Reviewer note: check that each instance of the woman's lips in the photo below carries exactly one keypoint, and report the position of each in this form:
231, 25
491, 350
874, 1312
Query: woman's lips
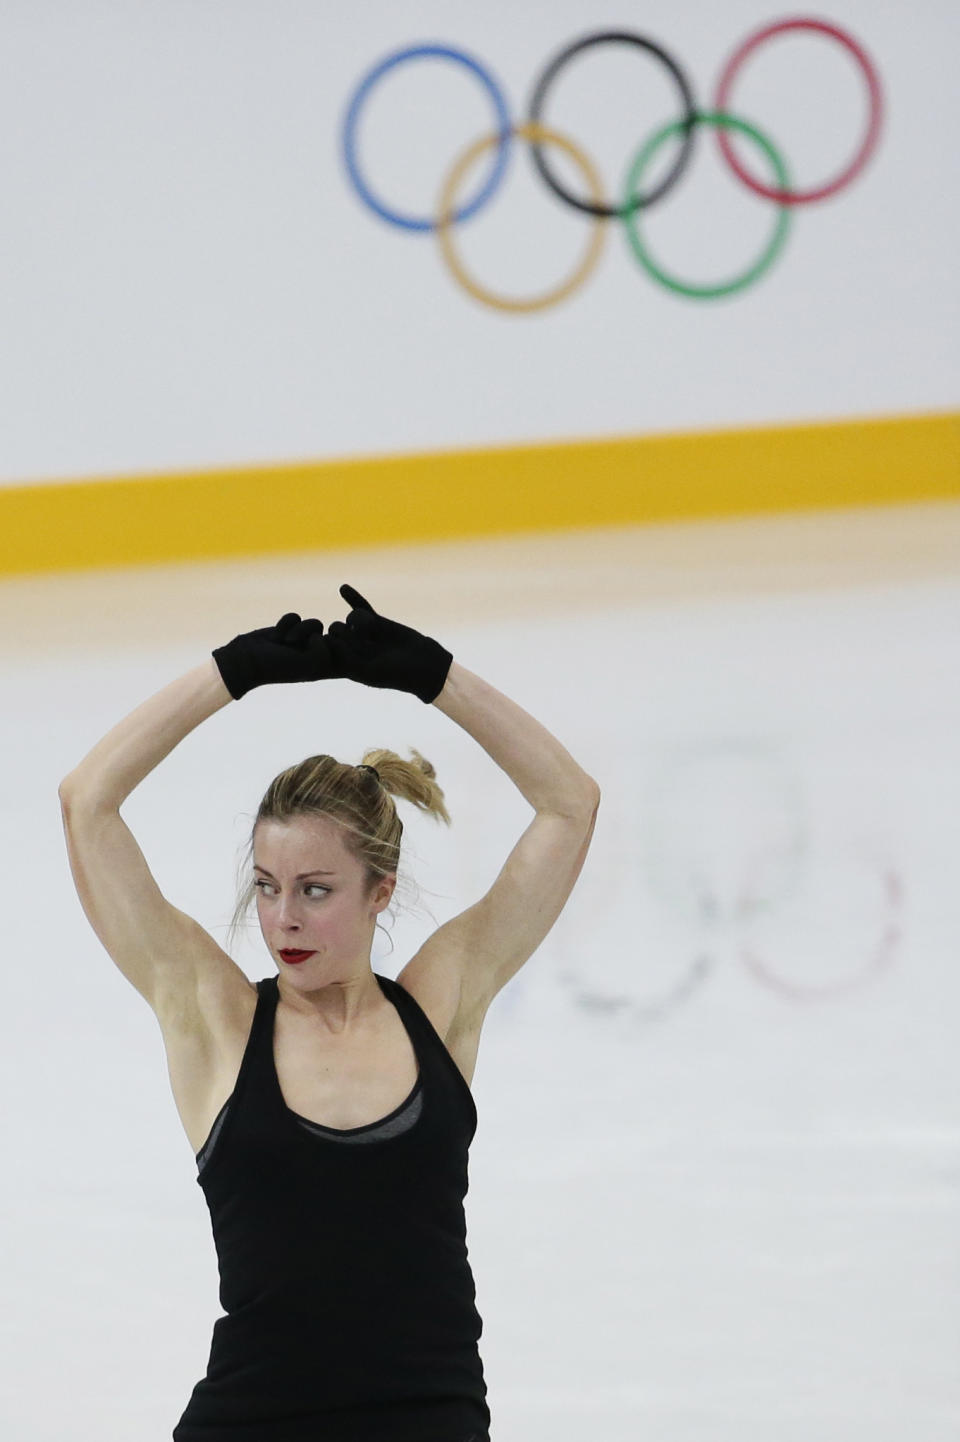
293, 957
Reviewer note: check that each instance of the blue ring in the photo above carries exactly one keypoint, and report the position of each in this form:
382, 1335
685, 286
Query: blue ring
416, 52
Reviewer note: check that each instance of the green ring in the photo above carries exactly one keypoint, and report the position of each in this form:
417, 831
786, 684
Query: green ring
630, 218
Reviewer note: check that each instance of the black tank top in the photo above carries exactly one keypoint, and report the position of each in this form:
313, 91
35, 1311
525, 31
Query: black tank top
344, 1276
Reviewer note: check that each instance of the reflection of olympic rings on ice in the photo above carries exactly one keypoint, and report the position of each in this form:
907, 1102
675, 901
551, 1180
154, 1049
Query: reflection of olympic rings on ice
725, 832
870, 951
635, 198
728, 854
604, 1004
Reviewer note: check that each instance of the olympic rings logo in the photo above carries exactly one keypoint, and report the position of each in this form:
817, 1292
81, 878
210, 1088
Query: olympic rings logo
593, 203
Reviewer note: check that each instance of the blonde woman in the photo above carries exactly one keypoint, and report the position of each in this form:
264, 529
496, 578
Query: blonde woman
330, 1107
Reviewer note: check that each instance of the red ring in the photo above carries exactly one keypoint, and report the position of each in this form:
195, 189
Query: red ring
801, 197
878, 960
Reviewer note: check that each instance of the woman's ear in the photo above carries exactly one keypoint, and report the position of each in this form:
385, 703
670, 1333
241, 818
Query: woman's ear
383, 892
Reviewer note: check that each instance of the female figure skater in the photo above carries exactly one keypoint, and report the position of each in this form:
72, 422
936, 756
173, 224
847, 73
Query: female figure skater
330, 1107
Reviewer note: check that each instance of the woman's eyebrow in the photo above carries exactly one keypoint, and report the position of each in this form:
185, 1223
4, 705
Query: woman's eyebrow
302, 877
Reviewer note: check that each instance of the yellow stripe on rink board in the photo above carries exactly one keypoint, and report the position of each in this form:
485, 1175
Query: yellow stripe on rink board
383, 500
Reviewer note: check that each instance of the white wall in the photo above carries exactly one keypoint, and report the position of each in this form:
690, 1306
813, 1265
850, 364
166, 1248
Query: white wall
189, 280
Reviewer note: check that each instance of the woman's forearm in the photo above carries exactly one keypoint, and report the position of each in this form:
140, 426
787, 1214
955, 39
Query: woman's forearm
138, 743
534, 760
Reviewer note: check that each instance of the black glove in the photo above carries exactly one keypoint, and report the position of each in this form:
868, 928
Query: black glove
369, 648
292, 650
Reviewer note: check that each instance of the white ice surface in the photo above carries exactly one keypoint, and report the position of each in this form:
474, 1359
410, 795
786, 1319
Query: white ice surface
715, 1186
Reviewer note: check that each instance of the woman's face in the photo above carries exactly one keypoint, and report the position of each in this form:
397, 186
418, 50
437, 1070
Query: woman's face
311, 896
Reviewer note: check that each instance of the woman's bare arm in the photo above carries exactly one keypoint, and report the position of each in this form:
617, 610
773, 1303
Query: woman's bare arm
542, 769
469, 959
138, 743
161, 950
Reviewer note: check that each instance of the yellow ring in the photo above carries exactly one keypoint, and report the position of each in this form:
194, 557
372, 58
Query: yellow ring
447, 208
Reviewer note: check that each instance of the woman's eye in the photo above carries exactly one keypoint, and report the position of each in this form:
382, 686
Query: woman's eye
313, 886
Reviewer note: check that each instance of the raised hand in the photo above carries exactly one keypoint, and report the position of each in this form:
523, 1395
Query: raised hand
292, 650
376, 651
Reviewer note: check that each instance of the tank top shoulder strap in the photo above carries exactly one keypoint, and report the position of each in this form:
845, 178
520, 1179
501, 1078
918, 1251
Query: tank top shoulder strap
426, 1034
257, 1063
256, 1080
411, 1011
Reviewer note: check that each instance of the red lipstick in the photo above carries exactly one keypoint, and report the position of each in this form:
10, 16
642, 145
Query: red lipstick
293, 958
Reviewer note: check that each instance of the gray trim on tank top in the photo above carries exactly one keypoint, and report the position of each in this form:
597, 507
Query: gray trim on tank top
399, 1121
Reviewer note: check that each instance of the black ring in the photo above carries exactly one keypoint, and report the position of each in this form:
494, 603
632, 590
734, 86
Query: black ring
690, 118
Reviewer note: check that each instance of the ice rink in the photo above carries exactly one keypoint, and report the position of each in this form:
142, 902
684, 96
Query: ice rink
715, 1189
